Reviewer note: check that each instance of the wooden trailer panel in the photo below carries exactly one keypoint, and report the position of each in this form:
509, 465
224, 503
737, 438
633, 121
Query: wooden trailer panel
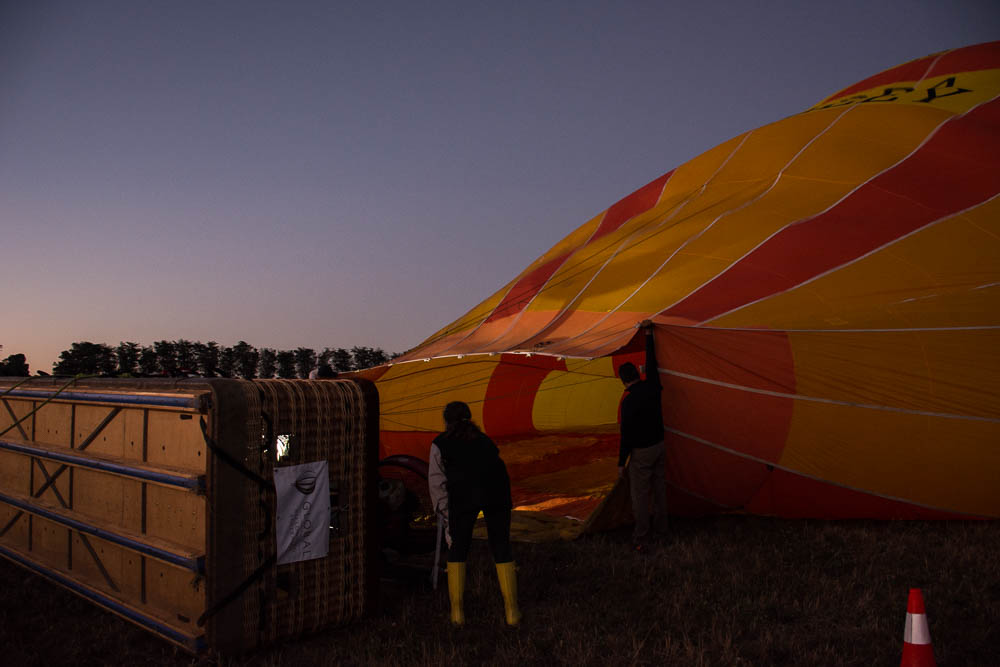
100, 429
175, 515
154, 499
176, 440
53, 424
109, 499
14, 472
11, 413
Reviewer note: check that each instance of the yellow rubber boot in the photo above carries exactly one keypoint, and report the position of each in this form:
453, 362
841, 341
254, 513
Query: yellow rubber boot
456, 591
507, 576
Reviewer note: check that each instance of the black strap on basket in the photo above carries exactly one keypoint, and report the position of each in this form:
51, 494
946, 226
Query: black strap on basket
232, 462
238, 591
264, 486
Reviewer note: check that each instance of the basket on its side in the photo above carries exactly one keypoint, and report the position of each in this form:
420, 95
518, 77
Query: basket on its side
155, 500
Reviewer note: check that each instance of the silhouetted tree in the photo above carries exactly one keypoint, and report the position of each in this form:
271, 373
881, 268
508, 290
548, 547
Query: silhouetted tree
305, 361
166, 357
86, 358
128, 358
208, 358
366, 357
16, 365
227, 362
268, 363
186, 357
147, 362
286, 364
359, 356
341, 360
107, 363
246, 358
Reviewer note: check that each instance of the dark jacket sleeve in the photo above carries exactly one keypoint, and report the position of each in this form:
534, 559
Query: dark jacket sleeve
624, 446
652, 368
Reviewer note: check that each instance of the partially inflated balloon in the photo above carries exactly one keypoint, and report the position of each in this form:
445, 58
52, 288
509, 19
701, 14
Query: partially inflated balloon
826, 294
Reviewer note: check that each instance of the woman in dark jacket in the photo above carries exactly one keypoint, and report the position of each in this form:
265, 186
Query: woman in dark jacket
466, 476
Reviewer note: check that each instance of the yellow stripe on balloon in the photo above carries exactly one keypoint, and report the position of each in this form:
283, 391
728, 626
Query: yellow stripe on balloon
931, 461
583, 398
412, 395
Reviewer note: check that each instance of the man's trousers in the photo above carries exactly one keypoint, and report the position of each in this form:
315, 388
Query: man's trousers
647, 475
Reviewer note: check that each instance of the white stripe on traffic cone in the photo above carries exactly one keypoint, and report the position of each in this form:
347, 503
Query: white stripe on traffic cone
917, 649
916, 631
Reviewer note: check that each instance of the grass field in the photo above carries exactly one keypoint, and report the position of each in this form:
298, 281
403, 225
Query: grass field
724, 591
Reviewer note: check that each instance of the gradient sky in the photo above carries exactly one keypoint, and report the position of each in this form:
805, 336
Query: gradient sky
338, 173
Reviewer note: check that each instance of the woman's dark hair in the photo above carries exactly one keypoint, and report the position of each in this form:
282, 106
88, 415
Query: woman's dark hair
458, 422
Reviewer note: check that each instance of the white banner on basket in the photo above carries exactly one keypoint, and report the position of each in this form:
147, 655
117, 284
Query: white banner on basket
303, 522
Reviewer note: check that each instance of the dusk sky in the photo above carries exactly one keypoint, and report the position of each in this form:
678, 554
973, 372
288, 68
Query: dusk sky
337, 173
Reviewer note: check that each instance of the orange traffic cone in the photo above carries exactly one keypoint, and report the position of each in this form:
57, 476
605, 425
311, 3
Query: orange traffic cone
917, 650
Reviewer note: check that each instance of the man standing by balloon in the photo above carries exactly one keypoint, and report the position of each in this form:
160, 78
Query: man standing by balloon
642, 443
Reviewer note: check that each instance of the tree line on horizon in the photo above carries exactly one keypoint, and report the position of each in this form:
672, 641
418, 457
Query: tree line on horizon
16, 365
184, 358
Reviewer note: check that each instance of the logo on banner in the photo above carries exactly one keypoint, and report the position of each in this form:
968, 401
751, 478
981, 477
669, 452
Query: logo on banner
306, 484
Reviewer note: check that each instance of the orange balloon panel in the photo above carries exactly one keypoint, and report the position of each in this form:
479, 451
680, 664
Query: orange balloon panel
826, 294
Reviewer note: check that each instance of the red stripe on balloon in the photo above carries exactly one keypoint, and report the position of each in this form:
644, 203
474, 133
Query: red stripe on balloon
412, 443
627, 208
714, 474
968, 59
525, 289
955, 170
793, 496
510, 394
682, 503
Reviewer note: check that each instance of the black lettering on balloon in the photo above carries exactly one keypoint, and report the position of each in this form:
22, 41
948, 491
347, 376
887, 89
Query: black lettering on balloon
933, 92
853, 99
887, 95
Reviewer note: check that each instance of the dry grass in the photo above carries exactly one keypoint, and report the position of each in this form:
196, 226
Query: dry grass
724, 591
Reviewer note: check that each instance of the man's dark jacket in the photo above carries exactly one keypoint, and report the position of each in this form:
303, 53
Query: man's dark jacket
642, 409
